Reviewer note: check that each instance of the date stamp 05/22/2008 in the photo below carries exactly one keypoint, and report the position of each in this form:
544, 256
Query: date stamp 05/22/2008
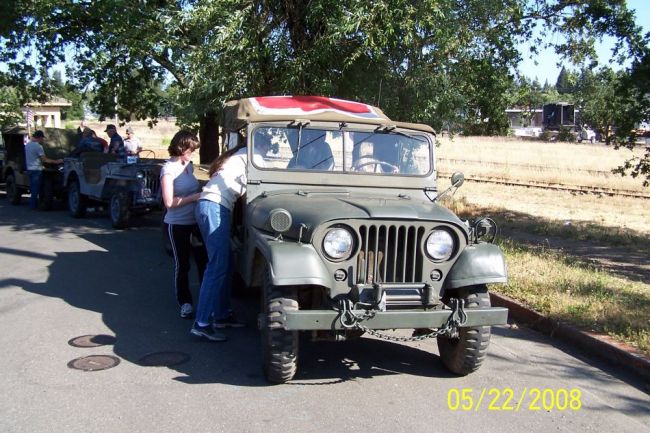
507, 399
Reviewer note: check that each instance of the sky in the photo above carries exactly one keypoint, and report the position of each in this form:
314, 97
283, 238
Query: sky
546, 68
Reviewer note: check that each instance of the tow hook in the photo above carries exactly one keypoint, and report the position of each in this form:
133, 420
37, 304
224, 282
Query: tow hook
351, 320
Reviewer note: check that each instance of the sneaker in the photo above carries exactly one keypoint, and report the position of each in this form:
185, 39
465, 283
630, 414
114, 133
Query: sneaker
186, 311
228, 322
207, 332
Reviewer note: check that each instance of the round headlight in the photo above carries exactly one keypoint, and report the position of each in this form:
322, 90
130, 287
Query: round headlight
337, 243
440, 245
139, 174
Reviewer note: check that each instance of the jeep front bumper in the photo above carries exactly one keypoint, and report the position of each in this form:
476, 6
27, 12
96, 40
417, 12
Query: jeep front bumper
308, 320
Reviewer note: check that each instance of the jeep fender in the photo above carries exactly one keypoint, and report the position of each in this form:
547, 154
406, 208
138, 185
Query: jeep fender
293, 263
478, 264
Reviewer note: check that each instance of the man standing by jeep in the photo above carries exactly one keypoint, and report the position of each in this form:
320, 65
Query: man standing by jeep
34, 159
116, 144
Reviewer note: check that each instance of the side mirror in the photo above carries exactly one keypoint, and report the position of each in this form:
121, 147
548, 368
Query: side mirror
457, 179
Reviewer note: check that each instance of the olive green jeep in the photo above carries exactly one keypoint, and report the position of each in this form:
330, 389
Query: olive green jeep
342, 230
129, 188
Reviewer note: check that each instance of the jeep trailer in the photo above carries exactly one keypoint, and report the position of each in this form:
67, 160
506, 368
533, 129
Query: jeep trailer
58, 144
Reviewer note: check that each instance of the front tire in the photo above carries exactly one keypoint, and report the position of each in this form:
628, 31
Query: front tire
120, 213
76, 200
279, 346
13, 192
465, 354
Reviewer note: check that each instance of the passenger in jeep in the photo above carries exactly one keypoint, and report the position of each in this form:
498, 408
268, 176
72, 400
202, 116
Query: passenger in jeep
90, 142
311, 151
116, 144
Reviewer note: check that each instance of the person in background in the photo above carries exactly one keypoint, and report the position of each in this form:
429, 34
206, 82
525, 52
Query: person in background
132, 143
180, 191
116, 144
34, 159
81, 128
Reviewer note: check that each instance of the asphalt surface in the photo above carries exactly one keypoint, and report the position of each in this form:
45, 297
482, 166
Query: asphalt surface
62, 278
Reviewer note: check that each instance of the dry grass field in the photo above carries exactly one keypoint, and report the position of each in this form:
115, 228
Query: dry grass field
563, 163
578, 288
551, 162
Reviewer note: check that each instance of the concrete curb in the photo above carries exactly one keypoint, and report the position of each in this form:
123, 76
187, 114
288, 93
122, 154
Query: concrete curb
619, 354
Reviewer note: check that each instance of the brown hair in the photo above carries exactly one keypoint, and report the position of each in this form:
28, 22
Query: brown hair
221, 160
181, 142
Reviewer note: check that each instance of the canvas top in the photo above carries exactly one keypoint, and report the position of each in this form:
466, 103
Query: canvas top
241, 112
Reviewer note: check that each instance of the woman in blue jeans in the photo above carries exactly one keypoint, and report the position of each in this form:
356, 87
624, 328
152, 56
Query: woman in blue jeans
227, 184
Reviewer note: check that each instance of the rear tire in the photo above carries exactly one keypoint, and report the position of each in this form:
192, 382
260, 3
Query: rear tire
14, 193
465, 354
120, 213
76, 200
279, 347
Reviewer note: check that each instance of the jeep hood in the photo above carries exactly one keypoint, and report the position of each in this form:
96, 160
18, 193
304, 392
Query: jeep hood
315, 208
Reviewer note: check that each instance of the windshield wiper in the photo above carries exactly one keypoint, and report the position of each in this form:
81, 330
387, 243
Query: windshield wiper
392, 129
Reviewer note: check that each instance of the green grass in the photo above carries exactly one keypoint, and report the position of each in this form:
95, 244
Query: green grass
568, 289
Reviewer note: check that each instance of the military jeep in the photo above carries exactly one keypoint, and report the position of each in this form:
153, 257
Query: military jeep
342, 230
94, 179
58, 144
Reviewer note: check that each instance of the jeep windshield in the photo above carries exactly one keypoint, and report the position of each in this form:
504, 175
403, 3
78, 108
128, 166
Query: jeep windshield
364, 152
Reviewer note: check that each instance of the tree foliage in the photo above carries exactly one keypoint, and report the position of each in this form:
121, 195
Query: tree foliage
441, 62
564, 82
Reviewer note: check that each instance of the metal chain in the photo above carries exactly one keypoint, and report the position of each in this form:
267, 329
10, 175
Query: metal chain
350, 320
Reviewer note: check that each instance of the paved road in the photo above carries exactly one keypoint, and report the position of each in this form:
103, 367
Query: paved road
62, 278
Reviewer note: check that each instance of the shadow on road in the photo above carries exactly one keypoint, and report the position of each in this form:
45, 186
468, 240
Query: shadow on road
127, 278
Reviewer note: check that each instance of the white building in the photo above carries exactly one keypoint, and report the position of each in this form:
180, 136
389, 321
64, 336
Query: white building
46, 114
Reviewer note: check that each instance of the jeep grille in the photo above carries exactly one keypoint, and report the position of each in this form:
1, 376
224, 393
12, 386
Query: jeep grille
390, 254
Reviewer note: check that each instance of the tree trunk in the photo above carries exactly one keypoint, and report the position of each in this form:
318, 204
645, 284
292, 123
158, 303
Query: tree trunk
209, 136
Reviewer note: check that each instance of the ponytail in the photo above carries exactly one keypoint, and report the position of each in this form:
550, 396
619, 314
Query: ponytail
221, 160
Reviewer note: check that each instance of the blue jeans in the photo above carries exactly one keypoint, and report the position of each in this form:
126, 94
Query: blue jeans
214, 297
35, 181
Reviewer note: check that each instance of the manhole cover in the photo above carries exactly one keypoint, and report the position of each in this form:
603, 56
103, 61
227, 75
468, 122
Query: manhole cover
94, 362
163, 359
92, 340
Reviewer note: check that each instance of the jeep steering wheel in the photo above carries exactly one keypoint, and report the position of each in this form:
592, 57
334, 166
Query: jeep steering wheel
391, 168
149, 152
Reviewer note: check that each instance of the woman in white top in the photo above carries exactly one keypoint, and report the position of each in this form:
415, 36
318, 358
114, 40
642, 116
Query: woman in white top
228, 179
180, 191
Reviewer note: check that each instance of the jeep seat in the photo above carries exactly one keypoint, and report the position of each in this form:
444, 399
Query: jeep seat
93, 162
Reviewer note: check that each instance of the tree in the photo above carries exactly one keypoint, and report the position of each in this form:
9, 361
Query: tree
564, 84
597, 99
10, 107
528, 96
440, 62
